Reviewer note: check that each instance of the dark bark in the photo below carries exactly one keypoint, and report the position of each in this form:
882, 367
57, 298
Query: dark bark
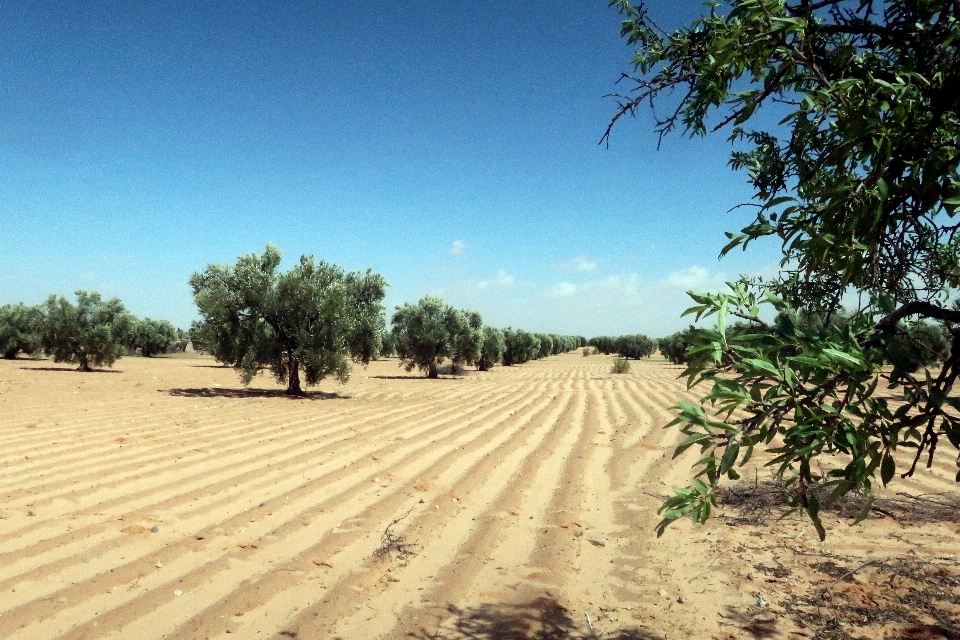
432, 371
293, 377
889, 323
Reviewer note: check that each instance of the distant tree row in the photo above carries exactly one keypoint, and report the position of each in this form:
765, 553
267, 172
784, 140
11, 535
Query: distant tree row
633, 346
91, 333
674, 346
523, 346
313, 318
427, 333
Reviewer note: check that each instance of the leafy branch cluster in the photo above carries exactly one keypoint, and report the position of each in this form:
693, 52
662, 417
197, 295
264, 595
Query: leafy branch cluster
859, 184
807, 392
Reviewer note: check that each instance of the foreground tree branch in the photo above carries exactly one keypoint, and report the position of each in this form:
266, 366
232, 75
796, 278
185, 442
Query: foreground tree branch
860, 185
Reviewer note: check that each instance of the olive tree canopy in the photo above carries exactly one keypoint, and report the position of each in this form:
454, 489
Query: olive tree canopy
152, 336
859, 184
492, 347
313, 317
430, 331
91, 333
19, 329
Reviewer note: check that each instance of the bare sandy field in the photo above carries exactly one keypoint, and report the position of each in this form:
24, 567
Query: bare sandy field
162, 499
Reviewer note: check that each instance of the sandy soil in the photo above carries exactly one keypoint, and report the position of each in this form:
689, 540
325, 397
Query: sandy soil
163, 499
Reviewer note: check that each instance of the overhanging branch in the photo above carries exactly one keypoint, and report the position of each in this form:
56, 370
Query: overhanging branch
888, 323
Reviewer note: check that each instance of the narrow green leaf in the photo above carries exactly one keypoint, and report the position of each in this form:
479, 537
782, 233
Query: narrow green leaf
840, 356
763, 365
729, 457
887, 469
864, 512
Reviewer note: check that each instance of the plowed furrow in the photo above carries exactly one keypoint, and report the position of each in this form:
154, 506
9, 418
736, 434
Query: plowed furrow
257, 475
512, 472
456, 446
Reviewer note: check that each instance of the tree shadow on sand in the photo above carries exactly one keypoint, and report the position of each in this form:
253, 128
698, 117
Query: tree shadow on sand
757, 503
236, 394
70, 370
540, 619
417, 377
759, 624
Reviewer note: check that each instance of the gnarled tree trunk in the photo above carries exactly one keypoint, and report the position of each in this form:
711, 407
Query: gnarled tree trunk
293, 377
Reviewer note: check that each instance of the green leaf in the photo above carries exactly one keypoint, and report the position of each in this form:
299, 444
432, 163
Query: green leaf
887, 469
690, 441
864, 512
763, 365
729, 457
842, 357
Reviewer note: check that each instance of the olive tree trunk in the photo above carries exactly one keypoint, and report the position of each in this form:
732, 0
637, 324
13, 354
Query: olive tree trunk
293, 377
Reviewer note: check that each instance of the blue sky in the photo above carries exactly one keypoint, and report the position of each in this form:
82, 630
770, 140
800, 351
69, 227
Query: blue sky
450, 146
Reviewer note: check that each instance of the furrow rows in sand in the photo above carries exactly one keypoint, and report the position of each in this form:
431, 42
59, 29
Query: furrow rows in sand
530, 495
495, 496
409, 458
183, 429
200, 443
331, 510
218, 488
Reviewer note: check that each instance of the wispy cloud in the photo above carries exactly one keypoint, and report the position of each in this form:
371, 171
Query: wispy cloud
621, 303
502, 281
497, 283
562, 290
628, 285
582, 264
458, 248
689, 278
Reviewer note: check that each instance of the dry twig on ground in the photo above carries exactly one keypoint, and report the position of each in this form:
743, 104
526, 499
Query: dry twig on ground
390, 541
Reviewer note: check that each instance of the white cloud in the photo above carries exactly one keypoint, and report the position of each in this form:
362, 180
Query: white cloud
614, 288
579, 303
561, 290
499, 282
502, 281
689, 278
617, 304
582, 264
458, 248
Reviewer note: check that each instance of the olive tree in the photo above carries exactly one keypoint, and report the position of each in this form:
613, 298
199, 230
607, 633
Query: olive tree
388, 344
427, 333
634, 346
491, 348
19, 330
314, 316
91, 333
521, 346
859, 184
467, 337
151, 337
674, 347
